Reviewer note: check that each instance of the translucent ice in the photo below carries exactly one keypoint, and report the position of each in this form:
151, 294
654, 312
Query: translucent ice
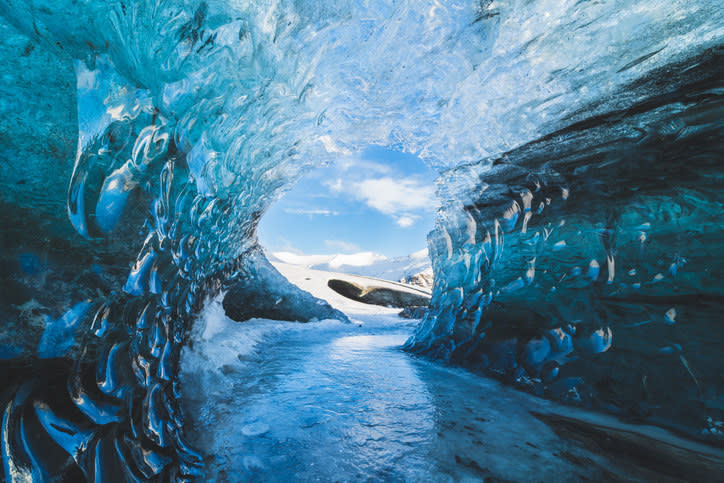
569, 132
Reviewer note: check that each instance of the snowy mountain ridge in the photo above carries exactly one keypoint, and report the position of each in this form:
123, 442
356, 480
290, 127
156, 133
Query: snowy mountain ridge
369, 264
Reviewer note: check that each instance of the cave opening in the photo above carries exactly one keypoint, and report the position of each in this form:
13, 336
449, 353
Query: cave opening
368, 214
378, 202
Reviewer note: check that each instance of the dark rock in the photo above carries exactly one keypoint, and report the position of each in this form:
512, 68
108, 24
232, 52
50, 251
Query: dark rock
386, 296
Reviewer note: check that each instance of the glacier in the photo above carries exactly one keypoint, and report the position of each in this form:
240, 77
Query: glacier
575, 252
596, 237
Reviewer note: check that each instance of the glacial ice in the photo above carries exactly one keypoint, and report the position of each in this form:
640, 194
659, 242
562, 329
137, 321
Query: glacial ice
262, 292
59, 335
576, 248
599, 237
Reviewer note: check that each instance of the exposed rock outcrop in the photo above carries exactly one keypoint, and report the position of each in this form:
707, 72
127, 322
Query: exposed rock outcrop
422, 279
387, 296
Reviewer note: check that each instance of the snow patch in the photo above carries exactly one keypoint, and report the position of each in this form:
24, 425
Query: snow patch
369, 264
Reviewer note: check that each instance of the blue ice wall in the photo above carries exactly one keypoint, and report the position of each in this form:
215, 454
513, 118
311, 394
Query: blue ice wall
584, 266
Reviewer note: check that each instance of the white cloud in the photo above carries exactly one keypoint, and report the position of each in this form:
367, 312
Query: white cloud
395, 196
301, 211
346, 169
342, 246
405, 221
362, 165
335, 186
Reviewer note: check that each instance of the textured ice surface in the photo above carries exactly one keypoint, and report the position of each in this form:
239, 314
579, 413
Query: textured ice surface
191, 117
262, 291
330, 401
583, 265
59, 335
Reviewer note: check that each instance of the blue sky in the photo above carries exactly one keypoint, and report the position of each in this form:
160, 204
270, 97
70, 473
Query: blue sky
378, 200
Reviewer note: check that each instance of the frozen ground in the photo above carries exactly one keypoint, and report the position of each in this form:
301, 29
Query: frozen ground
329, 401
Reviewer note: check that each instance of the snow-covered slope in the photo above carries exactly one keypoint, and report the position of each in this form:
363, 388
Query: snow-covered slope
316, 282
364, 263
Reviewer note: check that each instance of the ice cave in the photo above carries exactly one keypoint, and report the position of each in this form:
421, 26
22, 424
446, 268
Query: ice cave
570, 329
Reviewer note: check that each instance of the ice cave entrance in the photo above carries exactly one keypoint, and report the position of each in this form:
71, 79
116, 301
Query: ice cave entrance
367, 213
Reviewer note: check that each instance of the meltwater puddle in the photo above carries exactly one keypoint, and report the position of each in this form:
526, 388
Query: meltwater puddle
327, 401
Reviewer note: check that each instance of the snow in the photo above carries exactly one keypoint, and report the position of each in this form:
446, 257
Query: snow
220, 341
315, 282
360, 259
363, 263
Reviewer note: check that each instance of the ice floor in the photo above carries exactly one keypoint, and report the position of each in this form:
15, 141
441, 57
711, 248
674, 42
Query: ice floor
328, 401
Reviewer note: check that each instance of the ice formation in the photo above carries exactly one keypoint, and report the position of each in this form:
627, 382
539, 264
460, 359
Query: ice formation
263, 292
578, 234
596, 237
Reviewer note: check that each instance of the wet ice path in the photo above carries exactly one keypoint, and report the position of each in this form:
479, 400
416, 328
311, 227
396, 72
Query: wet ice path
327, 401
345, 409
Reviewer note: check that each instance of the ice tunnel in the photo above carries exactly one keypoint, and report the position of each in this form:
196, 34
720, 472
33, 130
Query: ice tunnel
576, 248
